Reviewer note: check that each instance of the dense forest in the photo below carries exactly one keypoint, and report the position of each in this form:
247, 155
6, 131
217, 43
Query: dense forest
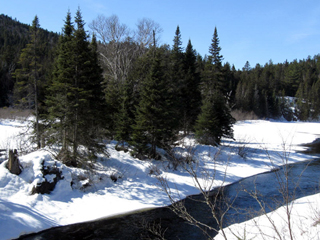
121, 84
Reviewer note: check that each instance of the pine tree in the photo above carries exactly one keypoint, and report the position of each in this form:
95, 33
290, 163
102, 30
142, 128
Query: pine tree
94, 114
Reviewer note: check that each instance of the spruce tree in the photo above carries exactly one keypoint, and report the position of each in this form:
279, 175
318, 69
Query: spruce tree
76, 98
58, 101
213, 75
154, 113
178, 79
29, 74
215, 120
190, 92
125, 118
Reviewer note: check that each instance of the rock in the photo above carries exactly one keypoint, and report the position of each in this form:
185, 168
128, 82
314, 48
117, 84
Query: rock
52, 175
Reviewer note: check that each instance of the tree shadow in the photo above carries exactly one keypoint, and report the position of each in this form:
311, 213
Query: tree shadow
21, 219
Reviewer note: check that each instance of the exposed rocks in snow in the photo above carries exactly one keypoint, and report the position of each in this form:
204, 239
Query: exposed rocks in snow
51, 175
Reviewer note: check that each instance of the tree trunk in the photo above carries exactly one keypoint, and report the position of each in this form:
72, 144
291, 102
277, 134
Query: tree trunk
13, 163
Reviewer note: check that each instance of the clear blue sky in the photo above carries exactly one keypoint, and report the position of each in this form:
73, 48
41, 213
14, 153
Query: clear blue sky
249, 30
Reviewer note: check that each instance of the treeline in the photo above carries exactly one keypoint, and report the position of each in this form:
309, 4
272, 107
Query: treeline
289, 89
121, 84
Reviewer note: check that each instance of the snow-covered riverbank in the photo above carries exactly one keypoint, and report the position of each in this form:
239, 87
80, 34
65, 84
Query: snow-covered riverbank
259, 146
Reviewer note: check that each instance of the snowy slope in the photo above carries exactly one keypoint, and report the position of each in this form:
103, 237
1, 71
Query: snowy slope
87, 195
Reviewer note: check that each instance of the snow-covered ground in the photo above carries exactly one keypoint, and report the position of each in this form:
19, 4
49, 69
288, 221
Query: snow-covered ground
88, 195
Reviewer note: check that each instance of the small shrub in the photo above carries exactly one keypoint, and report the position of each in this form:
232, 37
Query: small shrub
243, 151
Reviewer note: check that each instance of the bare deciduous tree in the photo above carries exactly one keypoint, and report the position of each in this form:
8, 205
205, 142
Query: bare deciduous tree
109, 29
144, 33
119, 46
116, 48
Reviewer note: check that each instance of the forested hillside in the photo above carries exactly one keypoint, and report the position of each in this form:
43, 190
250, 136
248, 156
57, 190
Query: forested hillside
121, 84
14, 36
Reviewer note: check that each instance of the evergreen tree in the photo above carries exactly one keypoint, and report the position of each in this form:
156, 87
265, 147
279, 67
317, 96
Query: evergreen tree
153, 119
315, 100
303, 104
125, 118
292, 78
190, 92
213, 74
58, 102
76, 98
215, 120
178, 79
13, 38
28, 76
113, 97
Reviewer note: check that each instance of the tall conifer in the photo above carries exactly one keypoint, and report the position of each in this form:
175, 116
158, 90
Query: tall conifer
28, 76
177, 79
215, 120
76, 98
154, 113
190, 94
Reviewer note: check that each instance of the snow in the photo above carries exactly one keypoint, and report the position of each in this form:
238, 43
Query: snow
84, 195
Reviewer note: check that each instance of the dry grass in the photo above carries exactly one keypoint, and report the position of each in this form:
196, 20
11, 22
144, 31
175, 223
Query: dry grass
241, 116
13, 114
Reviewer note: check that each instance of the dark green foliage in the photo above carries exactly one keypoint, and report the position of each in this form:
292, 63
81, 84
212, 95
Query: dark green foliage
14, 36
113, 96
190, 90
75, 97
30, 74
185, 83
315, 100
215, 120
177, 79
153, 125
213, 77
125, 118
